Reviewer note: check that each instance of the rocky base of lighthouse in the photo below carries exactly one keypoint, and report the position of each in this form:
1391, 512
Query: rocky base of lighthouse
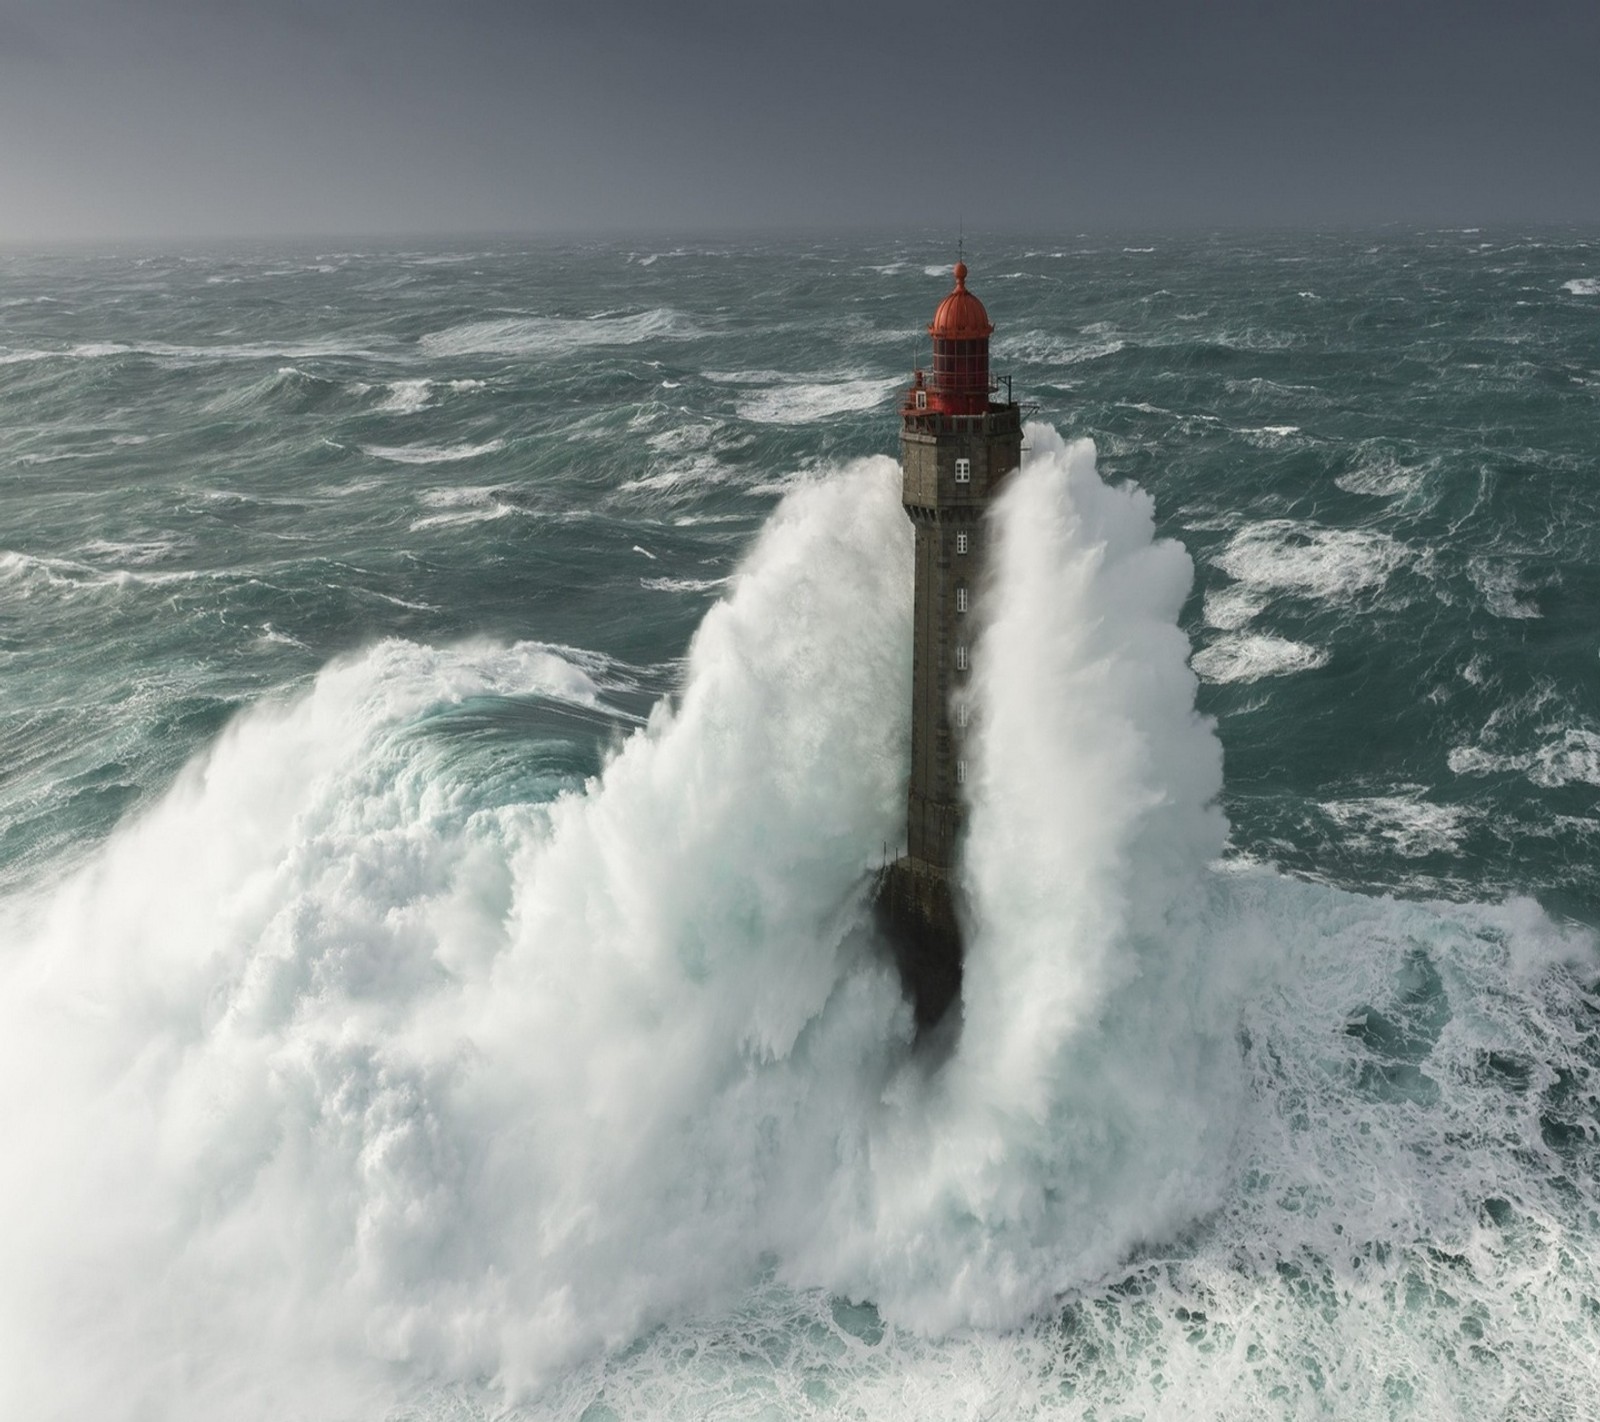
916, 912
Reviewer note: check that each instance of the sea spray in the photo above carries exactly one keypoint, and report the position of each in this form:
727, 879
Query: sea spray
1101, 1004
1094, 1090
326, 1064
683, 1008
211, 1056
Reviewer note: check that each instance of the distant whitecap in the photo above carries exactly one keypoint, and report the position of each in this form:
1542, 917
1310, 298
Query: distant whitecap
550, 335
432, 454
1573, 756
1310, 560
1408, 823
801, 404
406, 397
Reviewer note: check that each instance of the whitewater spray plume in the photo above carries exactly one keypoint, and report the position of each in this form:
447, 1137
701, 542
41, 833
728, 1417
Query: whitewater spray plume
1088, 1103
334, 1073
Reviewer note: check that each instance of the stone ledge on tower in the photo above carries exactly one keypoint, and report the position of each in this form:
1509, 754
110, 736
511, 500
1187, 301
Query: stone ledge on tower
915, 907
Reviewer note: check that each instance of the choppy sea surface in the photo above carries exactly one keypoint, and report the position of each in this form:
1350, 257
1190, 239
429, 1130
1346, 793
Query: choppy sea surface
451, 703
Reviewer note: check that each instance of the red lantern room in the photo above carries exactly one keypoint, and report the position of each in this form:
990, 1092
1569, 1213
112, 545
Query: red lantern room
960, 329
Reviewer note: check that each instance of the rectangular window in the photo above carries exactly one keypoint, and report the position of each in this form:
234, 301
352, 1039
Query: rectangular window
961, 772
961, 599
922, 399
961, 656
963, 471
961, 714
961, 543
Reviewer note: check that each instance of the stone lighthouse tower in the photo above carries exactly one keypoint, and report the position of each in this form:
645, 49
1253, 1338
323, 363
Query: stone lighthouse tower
957, 445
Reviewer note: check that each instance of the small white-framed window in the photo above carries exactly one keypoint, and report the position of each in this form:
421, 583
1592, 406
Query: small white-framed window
961, 543
961, 599
963, 714
922, 399
963, 471
961, 772
961, 656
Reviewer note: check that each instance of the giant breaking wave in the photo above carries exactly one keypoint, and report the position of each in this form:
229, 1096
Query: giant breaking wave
335, 1072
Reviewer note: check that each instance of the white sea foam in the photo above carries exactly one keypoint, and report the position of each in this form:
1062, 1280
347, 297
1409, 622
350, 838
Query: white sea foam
689, 585
1275, 392
1571, 755
1410, 824
272, 636
1049, 348
1282, 555
1254, 338
553, 335
688, 435
138, 552
1271, 436
680, 476
801, 404
92, 350
1232, 607
1501, 585
464, 506
1582, 286
1383, 475
27, 461
469, 496
28, 575
459, 517
199, 355
406, 397
1249, 656
651, 258
432, 454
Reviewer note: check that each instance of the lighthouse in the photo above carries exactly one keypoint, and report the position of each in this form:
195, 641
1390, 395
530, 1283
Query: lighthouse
957, 445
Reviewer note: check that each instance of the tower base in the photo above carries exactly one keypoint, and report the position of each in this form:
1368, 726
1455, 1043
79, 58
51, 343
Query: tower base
916, 911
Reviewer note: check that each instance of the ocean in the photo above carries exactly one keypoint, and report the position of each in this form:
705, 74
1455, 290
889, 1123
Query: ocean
453, 699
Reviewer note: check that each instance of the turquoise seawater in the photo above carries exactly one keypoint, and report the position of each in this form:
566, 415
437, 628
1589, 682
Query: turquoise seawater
338, 592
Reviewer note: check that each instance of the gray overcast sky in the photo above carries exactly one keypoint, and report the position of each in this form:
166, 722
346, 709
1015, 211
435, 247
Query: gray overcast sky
193, 118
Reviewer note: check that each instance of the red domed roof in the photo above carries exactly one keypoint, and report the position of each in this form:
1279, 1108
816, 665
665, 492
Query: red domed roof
961, 316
